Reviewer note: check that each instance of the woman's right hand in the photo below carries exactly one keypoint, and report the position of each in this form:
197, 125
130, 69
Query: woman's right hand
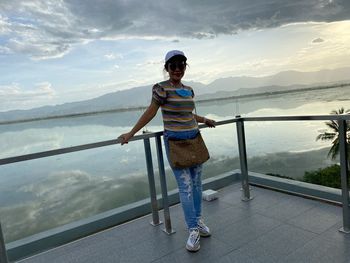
125, 137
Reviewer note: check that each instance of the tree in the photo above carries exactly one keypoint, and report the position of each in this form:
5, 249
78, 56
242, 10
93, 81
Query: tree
333, 135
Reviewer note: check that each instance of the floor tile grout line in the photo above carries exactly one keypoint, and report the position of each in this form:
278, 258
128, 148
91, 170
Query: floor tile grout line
290, 217
301, 228
317, 236
257, 237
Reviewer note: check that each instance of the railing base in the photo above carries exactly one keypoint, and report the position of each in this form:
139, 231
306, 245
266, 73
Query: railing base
245, 199
172, 231
156, 224
342, 230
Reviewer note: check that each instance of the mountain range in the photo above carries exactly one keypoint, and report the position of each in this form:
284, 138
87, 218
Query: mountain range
221, 88
285, 78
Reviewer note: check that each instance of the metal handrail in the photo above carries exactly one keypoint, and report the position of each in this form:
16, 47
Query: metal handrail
300, 118
344, 175
151, 183
3, 254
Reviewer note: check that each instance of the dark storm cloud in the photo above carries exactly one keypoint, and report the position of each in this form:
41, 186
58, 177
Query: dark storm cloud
318, 40
45, 29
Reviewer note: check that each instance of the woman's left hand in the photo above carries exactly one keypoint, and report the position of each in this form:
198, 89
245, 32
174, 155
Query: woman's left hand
210, 123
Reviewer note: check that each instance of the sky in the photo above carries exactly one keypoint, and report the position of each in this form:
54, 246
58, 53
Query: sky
53, 52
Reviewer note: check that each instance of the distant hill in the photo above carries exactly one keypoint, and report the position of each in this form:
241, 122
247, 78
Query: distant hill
225, 87
285, 78
131, 98
268, 90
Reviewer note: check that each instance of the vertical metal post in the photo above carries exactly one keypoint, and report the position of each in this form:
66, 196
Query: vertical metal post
151, 183
344, 176
167, 221
3, 253
243, 160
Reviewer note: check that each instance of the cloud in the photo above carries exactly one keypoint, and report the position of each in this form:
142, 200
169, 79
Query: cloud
13, 96
14, 92
318, 40
113, 56
4, 50
4, 25
45, 29
150, 62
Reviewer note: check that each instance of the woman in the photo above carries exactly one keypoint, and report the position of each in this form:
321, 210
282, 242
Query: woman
176, 102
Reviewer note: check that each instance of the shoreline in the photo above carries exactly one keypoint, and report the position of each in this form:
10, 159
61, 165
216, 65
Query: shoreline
138, 108
269, 93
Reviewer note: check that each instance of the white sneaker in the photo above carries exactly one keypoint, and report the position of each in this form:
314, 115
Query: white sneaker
193, 241
204, 231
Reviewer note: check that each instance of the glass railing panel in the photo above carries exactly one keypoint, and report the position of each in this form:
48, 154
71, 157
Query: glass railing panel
223, 150
289, 149
41, 194
222, 140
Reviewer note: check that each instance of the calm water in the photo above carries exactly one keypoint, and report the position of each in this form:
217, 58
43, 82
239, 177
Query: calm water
40, 194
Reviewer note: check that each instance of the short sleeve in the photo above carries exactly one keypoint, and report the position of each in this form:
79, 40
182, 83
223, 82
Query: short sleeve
159, 94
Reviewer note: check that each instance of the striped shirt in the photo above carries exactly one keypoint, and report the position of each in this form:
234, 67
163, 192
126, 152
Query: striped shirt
176, 110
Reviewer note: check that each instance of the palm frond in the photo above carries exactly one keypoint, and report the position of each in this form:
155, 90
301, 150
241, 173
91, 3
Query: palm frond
333, 125
336, 140
334, 136
338, 112
327, 136
333, 151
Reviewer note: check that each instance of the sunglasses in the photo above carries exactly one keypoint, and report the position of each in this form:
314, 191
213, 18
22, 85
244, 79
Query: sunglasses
177, 65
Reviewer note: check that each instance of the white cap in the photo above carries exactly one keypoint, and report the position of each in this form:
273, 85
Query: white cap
173, 53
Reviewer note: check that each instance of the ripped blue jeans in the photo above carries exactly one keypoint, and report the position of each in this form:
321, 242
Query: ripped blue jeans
189, 183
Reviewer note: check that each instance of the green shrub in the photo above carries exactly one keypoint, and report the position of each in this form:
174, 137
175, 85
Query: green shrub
329, 176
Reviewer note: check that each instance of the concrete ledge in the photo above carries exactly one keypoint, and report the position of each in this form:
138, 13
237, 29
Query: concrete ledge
64, 234
294, 187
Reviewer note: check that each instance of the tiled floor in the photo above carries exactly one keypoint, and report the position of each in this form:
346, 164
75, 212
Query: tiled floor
273, 227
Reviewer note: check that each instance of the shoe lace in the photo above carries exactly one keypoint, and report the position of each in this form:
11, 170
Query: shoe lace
193, 235
201, 223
